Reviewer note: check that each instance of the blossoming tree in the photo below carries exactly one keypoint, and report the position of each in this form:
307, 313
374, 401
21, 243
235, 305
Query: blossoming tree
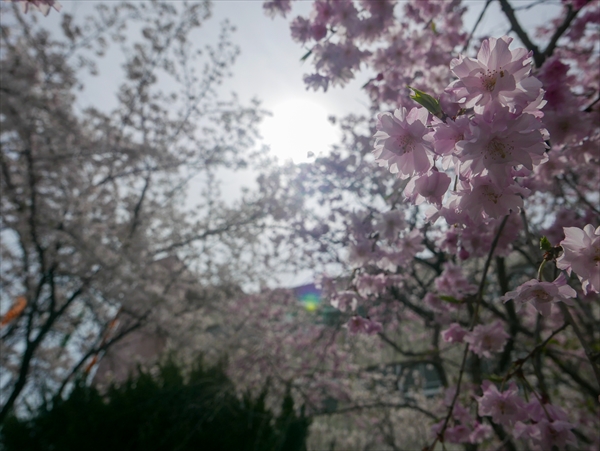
95, 226
462, 227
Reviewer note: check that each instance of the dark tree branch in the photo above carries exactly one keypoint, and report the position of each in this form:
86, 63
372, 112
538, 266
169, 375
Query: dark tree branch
32, 346
508, 10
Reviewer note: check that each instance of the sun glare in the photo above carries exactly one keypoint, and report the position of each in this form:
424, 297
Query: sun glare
297, 129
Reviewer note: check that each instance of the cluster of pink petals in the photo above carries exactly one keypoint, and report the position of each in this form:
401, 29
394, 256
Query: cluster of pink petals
466, 429
368, 285
389, 224
358, 324
500, 140
505, 408
549, 427
452, 282
542, 294
546, 426
498, 73
581, 254
40, 5
487, 339
429, 187
403, 142
487, 150
277, 7
344, 299
454, 334
482, 198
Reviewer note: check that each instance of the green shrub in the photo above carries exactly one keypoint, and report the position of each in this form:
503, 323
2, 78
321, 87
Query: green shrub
166, 412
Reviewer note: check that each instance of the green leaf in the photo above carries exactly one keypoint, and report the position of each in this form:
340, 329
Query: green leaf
545, 244
450, 299
424, 99
305, 57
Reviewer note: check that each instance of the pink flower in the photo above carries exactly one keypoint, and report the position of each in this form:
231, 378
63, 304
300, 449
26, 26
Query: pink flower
316, 82
480, 433
455, 434
551, 428
361, 253
487, 339
403, 142
556, 433
390, 224
300, 29
501, 140
505, 407
542, 294
581, 253
448, 134
358, 324
411, 244
497, 73
454, 334
367, 285
344, 299
277, 7
487, 199
453, 283
41, 5
429, 187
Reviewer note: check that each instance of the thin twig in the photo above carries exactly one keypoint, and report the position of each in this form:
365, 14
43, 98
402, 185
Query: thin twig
466, 46
538, 348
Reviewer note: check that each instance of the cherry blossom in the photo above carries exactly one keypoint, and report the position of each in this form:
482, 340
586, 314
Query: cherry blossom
485, 199
581, 254
505, 407
542, 294
390, 224
429, 187
486, 339
498, 73
454, 334
500, 140
452, 282
40, 5
358, 324
402, 142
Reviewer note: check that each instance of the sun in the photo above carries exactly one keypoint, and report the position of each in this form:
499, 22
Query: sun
297, 129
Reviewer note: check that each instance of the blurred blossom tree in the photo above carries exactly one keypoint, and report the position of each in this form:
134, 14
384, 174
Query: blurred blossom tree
479, 255
96, 223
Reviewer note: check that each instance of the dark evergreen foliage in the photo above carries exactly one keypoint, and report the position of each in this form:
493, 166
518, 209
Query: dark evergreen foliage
163, 412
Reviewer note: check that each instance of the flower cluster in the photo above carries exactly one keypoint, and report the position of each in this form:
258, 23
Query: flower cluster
496, 138
548, 428
40, 5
